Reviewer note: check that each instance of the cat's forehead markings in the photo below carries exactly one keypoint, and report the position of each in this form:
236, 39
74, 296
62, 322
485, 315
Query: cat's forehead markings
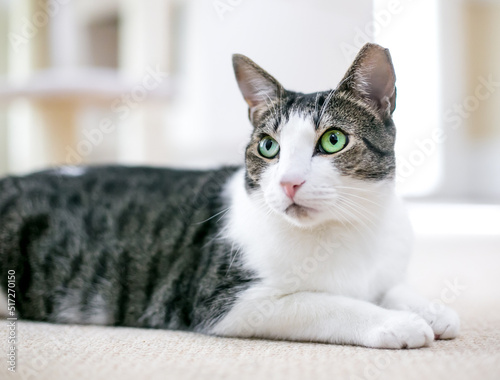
298, 129
307, 105
297, 139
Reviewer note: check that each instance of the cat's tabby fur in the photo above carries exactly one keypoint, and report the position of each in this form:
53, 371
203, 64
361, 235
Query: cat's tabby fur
304, 245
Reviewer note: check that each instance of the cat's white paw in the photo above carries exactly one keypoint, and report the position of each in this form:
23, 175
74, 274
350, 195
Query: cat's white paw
444, 321
402, 329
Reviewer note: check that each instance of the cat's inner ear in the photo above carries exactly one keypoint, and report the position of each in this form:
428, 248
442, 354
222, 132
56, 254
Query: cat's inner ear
258, 87
372, 77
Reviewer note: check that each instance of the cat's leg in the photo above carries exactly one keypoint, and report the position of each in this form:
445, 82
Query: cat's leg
321, 317
444, 321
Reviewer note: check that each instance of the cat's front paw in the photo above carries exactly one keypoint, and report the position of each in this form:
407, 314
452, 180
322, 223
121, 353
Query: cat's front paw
401, 329
444, 321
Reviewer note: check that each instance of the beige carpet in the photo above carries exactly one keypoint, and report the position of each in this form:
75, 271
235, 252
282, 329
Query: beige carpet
465, 273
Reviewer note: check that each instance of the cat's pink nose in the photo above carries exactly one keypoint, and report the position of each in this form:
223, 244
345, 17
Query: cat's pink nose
291, 187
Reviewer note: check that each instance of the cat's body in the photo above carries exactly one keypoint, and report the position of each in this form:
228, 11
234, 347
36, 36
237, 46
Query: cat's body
306, 242
120, 246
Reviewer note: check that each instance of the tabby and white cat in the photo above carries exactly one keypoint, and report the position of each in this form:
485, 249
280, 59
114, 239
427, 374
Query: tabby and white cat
306, 242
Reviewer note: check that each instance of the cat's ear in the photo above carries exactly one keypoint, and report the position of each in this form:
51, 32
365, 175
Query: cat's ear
372, 77
257, 86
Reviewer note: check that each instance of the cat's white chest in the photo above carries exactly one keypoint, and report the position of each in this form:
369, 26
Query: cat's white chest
331, 260
354, 261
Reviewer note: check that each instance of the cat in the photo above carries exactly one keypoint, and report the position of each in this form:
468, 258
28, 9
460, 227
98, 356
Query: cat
306, 242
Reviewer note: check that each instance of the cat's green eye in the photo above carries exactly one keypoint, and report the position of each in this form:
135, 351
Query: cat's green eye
268, 147
332, 141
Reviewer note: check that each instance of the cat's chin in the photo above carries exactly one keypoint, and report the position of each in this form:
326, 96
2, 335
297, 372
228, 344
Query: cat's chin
298, 211
307, 218
301, 216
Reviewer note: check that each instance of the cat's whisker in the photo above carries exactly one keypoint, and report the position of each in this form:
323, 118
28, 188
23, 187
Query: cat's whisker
220, 235
329, 97
365, 212
355, 219
316, 103
223, 215
318, 198
357, 189
351, 219
236, 252
362, 218
363, 235
213, 216
361, 198
262, 205
325, 104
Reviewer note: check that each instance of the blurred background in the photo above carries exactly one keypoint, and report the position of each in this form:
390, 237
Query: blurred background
151, 81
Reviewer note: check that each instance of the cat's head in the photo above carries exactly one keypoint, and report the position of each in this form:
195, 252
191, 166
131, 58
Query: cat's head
323, 156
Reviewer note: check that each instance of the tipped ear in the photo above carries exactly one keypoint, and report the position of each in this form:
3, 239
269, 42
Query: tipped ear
258, 87
372, 77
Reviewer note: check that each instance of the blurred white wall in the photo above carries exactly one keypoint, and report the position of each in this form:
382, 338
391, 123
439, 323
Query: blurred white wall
296, 41
410, 29
448, 119
481, 124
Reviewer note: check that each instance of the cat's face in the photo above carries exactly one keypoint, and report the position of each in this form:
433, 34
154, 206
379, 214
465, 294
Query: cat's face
324, 156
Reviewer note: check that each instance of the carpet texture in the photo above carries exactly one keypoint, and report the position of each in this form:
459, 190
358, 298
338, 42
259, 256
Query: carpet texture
461, 272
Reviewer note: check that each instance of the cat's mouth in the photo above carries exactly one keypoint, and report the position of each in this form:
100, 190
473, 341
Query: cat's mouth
298, 211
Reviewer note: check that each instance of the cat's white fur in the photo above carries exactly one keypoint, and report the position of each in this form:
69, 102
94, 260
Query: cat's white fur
334, 271
70, 171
